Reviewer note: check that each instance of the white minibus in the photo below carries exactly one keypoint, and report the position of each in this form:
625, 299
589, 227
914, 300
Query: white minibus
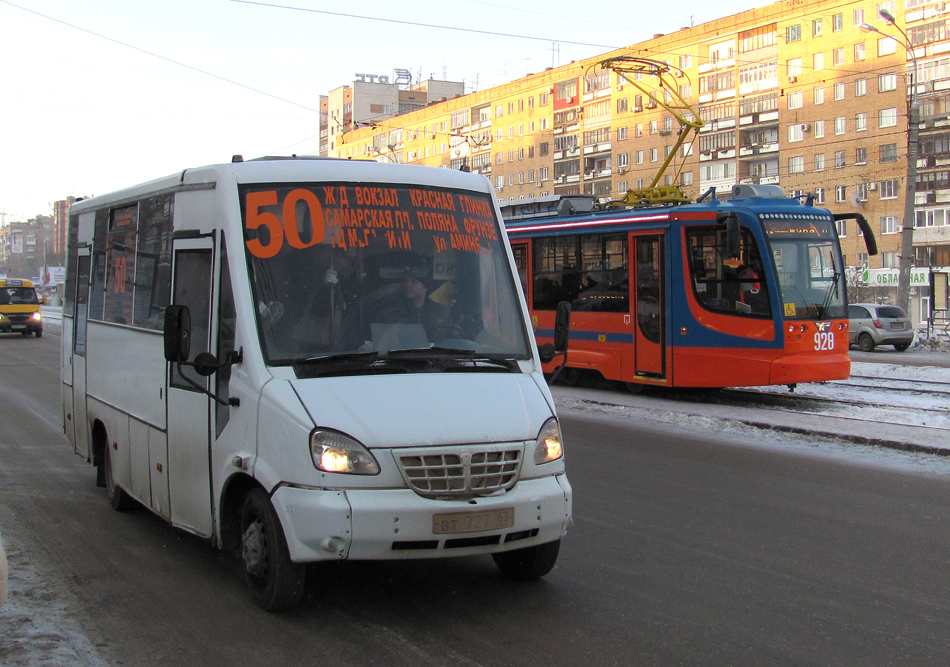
312, 359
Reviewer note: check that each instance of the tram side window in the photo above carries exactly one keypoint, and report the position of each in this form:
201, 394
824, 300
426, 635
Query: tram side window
590, 271
723, 284
557, 276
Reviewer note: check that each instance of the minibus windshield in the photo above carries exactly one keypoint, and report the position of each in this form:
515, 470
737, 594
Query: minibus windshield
369, 270
808, 265
18, 296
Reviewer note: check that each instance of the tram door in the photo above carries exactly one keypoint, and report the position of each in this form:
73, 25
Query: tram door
649, 305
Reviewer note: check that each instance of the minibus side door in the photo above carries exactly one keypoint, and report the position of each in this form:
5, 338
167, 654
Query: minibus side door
189, 412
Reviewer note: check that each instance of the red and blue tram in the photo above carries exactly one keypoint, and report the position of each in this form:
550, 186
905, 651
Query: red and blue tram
747, 291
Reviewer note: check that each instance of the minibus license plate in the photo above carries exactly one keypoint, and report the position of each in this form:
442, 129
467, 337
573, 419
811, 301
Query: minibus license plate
471, 522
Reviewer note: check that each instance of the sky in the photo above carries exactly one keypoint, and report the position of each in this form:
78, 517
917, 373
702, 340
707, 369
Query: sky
96, 95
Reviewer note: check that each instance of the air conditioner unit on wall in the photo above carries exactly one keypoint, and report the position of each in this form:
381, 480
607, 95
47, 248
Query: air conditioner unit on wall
806, 127
792, 79
872, 186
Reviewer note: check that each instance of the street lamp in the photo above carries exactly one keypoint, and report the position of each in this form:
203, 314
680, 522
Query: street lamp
913, 130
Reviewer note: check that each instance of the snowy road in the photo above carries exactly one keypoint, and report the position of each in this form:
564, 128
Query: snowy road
38, 625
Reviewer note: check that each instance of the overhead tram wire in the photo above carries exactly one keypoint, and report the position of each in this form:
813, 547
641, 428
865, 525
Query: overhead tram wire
159, 56
419, 25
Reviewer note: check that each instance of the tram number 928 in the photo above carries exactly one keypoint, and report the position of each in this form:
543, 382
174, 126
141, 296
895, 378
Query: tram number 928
824, 340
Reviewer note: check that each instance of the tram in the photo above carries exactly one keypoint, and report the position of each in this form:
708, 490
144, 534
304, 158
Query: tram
747, 290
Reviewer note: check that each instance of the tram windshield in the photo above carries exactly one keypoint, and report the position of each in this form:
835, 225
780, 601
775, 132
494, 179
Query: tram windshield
808, 266
353, 275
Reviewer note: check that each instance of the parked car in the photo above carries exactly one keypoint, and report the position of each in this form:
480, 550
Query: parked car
873, 324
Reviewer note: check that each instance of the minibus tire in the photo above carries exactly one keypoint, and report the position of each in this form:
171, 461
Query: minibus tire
119, 500
274, 581
528, 563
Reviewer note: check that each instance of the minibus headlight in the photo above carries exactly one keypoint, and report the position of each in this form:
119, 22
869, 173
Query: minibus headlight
37, 316
548, 447
333, 451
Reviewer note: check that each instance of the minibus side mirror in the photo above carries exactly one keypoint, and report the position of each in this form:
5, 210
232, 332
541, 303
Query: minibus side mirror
177, 333
562, 334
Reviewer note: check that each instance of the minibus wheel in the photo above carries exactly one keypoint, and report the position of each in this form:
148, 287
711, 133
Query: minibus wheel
528, 563
273, 580
118, 499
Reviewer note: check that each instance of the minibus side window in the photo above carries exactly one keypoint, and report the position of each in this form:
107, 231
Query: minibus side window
193, 289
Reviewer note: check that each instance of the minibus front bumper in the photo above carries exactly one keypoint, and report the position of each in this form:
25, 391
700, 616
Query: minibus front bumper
390, 524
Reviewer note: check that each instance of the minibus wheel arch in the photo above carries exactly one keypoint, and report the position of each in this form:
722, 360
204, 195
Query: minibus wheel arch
232, 502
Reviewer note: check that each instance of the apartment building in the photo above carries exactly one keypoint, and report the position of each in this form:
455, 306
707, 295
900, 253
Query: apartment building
799, 94
374, 98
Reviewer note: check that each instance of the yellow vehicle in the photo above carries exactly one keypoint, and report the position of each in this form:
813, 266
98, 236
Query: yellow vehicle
20, 307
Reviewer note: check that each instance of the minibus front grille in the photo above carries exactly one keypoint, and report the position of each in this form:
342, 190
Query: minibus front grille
460, 472
19, 318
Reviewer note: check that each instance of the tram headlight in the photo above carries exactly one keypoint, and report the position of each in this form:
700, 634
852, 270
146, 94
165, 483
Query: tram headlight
333, 451
548, 446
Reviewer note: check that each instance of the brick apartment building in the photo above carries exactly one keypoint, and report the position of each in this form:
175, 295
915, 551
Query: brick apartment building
797, 94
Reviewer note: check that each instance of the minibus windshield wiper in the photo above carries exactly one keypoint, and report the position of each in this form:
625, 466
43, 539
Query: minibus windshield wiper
470, 359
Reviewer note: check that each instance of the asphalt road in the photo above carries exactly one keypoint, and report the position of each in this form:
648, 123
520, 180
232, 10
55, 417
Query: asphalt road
687, 549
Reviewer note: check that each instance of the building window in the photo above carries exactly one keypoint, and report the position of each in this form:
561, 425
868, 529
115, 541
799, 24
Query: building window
796, 165
686, 178
621, 133
889, 189
499, 158
795, 100
820, 95
543, 148
860, 122
840, 125
795, 132
521, 153
837, 22
889, 260
839, 91
888, 153
543, 174
887, 117
860, 87
858, 16
623, 160
639, 157
819, 127
544, 124
819, 195
861, 157
888, 225
842, 227
819, 161
654, 155
816, 27
840, 159
886, 46
837, 56
793, 67
622, 105
841, 193
686, 91
511, 156
793, 33
818, 61
622, 187
859, 53
886, 82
